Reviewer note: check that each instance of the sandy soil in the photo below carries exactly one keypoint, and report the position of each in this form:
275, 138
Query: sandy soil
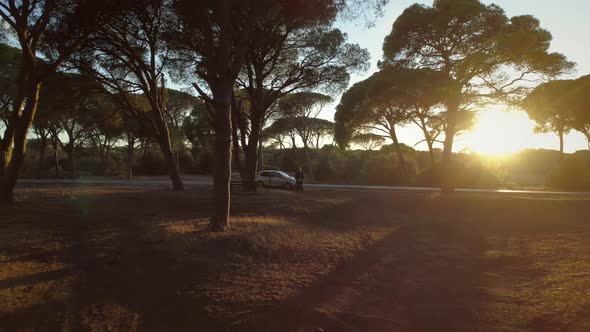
122, 259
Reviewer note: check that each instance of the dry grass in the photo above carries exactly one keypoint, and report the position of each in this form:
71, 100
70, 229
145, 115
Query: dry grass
120, 259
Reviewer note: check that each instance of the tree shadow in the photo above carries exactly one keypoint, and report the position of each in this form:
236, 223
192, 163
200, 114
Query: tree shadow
415, 279
427, 274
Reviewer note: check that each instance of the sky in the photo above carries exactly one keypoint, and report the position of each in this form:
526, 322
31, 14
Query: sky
567, 20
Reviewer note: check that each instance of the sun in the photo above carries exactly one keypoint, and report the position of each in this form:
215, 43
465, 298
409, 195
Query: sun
499, 132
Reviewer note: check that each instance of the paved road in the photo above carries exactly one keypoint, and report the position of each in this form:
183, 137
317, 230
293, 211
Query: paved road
189, 184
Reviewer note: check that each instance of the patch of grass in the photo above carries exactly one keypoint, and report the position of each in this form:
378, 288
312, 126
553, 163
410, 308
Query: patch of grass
127, 259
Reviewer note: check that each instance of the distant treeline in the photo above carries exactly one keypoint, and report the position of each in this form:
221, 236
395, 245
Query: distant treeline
528, 169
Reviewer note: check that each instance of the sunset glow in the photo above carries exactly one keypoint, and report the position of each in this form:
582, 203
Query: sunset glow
499, 132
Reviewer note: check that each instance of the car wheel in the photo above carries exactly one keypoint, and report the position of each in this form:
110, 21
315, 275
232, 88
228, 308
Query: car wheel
288, 185
260, 184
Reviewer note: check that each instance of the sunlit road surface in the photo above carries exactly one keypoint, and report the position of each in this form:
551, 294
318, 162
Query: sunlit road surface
166, 183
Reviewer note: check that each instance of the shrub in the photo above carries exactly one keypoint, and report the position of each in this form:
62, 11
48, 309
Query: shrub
572, 175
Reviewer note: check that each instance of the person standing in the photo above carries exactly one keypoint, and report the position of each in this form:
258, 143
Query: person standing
299, 176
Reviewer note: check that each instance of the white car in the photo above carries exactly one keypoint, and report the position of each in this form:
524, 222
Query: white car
275, 179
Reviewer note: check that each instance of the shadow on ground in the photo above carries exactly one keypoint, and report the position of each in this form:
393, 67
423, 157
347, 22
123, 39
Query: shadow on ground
96, 259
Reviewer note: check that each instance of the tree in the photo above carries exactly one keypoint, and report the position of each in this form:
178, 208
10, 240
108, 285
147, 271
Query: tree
486, 56
46, 125
368, 141
179, 106
201, 136
302, 109
134, 131
56, 28
291, 53
214, 37
135, 125
42, 130
280, 130
129, 56
374, 105
10, 58
546, 106
578, 101
319, 129
559, 106
71, 100
103, 126
211, 40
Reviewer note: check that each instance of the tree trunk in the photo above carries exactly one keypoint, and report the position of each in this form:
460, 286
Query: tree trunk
3, 161
163, 135
21, 129
428, 140
251, 150
251, 156
398, 150
69, 150
446, 181
56, 156
219, 220
260, 156
171, 165
308, 159
105, 163
130, 151
431, 154
42, 149
560, 133
236, 147
6, 144
6, 149
73, 168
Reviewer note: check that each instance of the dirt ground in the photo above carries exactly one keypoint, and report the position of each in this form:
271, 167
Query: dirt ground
122, 259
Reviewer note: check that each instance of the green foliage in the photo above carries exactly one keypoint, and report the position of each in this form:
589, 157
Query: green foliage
368, 141
572, 174
545, 105
561, 105
468, 39
384, 168
389, 98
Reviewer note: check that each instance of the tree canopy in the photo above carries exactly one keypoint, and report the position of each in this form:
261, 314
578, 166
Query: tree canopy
559, 106
486, 56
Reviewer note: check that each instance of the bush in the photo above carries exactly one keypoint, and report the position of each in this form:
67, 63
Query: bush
150, 164
385, 169
571, 175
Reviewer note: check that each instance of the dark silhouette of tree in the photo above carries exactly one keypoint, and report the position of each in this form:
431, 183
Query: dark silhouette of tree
578, 101
68, 101
55, 29
485, 55
214, 37
129, 56
179, 105
560, 106
10, 58
280, 130
44, 126
103, 127
388, 99
199, 129
302, 110
133, 133
211, 41
368, 141
291, 53
545, 105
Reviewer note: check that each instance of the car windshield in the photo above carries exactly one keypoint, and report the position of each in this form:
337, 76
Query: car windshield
283, 174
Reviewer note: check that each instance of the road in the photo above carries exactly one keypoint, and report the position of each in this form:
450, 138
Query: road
144, 183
